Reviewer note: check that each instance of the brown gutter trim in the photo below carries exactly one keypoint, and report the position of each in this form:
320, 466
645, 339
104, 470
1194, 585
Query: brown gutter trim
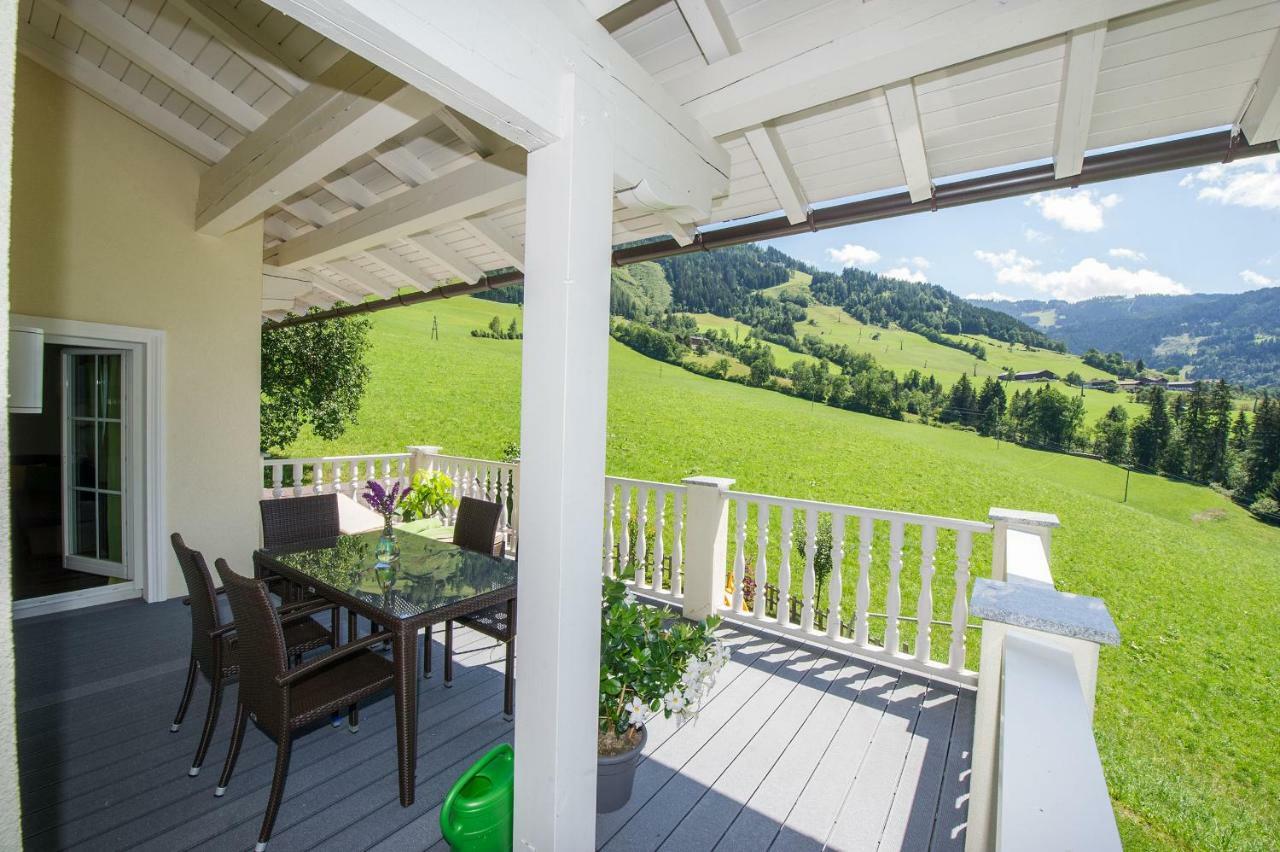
1147, 159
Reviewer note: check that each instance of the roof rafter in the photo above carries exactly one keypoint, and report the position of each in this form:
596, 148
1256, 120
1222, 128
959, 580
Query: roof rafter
711, 28
405, 269
1261, 119
496, 238
1075, 103
171, 69
905, 115
447, 257
820, 58
351, 108
502, 62
468, 191
66, 63
778, 170
364, 278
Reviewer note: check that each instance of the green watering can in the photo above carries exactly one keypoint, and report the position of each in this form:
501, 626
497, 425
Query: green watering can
476, 816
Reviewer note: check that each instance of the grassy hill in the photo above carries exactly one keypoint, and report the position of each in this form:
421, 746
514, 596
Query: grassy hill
1186, 705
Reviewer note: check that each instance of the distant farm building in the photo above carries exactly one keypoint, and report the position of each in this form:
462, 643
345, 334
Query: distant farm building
1181, 386
1128, 384
1101, 384
1033, 376
1147, 381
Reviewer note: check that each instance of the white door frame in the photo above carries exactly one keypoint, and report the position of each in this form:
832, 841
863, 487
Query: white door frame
146, 538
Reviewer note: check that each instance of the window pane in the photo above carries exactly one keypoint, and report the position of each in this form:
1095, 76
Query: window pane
83, 454
109, 456
83, 383
110, 528
109, 386
84, 528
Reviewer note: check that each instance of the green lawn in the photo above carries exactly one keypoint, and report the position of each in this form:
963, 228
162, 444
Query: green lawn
1187, 705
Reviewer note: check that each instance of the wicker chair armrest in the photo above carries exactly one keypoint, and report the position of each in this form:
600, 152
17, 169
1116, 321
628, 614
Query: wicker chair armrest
218, 591
299, 609
219, 632
307, 669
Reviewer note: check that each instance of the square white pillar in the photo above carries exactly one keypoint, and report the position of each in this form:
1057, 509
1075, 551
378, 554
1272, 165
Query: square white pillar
564, 392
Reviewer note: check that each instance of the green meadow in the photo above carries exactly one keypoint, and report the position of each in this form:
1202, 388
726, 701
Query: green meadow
1187, 704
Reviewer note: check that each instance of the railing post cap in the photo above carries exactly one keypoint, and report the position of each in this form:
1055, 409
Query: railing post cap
1038, 607
425, 449
1018, 517
720, 482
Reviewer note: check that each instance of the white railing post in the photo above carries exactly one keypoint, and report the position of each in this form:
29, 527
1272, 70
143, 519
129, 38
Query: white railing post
706, 530
1004, 521
420, 458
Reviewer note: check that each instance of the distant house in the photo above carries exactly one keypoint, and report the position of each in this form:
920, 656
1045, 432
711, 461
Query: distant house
1101, 384
699, 343
1128, 384
1034, 376
1146, 381
1180, 386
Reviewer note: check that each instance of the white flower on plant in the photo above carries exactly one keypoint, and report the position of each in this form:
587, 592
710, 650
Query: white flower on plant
636, 711
629, 598
675, 702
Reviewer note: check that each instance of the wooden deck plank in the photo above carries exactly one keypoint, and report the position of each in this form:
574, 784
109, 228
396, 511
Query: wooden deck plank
660, 815
794, 746
723, 800
758, 823
866, 807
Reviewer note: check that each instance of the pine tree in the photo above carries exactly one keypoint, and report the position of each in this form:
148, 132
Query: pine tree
1240, 433
1262, 459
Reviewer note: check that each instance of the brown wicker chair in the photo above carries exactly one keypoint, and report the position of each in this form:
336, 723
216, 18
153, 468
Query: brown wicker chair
476, 529
294, 520
214, 640
281, 700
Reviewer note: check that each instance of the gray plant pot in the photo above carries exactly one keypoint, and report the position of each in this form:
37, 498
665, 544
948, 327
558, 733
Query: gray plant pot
615, 775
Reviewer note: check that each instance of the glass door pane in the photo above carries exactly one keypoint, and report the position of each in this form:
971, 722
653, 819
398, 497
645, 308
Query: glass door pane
96, 465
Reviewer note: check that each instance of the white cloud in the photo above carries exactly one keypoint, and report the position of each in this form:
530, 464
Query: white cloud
1128, 254
1257, 279
1241, 183
1078, 210
992, 296
919, 262
1088, 278
852, 255
1031, 235
903, 273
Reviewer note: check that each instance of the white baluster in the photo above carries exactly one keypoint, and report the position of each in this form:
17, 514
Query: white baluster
659, 527
960, 606
893, 601
924, 607
762, 562
504, 497
836, 581
809, 584
317, 476
297, 479
624, 543
784, 567
642, 540
739, 557
866, 530
277, 479
608, 529
677, 544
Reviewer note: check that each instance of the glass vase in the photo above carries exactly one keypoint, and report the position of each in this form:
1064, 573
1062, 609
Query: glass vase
387, 556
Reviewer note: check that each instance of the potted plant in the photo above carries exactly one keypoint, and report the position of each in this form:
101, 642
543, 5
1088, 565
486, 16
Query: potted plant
428, 496
651, 662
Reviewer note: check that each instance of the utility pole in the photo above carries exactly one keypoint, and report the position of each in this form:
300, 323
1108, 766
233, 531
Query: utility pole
435, 327
1127, 471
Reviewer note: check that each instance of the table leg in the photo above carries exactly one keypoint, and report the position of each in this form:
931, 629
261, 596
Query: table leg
405, 656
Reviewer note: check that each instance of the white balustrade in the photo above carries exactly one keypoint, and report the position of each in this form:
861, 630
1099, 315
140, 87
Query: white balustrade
333, 474
644, 537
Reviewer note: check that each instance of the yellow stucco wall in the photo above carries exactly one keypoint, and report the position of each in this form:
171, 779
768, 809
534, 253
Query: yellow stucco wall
102, 232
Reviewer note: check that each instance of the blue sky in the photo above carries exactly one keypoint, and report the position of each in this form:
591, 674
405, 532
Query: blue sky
1211, 229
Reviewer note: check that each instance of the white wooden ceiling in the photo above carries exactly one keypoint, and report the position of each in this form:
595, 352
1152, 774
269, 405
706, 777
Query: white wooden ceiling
815, 100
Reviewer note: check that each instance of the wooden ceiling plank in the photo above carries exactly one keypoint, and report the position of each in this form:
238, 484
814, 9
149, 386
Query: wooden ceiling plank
415, 275
150, 55
471, 190
219, 21
350, 109
361, 276
447, 257
496, 238
1261, 119
1075, 103
905, 115
43, 50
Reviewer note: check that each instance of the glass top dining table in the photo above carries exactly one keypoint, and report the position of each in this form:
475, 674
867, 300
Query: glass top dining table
434, 582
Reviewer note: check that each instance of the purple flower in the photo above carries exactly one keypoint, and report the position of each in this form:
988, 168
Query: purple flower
380, 500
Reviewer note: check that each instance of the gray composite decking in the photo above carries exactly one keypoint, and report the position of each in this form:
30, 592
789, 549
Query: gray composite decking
796, 748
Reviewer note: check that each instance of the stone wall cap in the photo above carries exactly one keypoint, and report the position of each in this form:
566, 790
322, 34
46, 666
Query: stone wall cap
720, 482
1037, 607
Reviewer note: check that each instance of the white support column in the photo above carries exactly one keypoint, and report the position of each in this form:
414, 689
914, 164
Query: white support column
706, 532
562, 438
